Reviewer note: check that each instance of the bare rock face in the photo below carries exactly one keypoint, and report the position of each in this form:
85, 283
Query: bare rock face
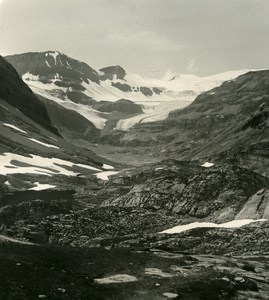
257, 207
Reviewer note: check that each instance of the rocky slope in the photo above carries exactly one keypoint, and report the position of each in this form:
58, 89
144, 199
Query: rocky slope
191, 191
18, 94
141, 201
213, 111
70, 123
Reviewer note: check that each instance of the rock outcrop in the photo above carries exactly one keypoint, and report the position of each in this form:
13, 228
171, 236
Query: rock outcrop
257, 207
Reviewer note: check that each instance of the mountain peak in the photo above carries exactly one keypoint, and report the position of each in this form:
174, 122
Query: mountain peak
50, 65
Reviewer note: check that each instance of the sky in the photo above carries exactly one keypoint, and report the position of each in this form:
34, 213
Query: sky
146, 37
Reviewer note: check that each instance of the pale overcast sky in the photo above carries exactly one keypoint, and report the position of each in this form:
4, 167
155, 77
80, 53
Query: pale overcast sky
144, 36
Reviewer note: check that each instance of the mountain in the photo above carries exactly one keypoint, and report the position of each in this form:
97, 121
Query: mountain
180, 227
33, 153
234, 118
19, 95
76, 86
113, 72
229, 121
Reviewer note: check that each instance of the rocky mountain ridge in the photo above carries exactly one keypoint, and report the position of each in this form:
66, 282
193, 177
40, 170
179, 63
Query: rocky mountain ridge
76, 86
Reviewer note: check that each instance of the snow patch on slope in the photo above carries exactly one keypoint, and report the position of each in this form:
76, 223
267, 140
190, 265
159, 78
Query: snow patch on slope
231, 224
207, 165
105, 174
107, 167
43, 144
14, 127
118, 278
38, 165
41, 187
5, 238
54, 55
30, 77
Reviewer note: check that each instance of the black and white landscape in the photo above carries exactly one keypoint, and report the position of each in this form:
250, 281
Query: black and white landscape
119, 184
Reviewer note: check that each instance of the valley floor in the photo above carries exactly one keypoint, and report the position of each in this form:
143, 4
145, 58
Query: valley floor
49, 272
126, 156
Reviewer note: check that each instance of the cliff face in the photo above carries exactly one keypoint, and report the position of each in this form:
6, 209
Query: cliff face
257, 207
